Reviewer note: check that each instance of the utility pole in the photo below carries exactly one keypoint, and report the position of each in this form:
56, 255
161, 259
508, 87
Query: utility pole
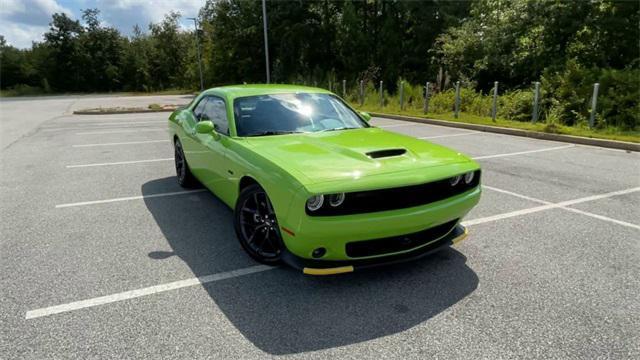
266, 38
195, 21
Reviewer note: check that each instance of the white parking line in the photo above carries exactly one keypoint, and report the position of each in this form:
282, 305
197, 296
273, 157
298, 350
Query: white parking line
120, 143
126, 295
508, 215
116, 125
598, 197
601, 217
128, 198
394, 125
523, 152
450, 135
120, 131
124, 123
90, 118
132, 294
113, 127
118, 163
548, 205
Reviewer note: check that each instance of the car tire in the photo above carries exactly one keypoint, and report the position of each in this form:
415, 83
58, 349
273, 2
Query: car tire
257, 227
183, 173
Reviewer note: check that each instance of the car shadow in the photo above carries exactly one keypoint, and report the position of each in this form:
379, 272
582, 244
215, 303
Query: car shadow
283, 311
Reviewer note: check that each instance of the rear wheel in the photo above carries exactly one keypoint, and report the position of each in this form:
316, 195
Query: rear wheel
185, 177
256, 225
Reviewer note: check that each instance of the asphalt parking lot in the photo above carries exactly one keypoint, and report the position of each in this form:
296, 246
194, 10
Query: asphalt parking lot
104, 255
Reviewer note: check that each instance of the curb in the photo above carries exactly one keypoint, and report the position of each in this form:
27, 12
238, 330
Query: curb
612, 144
112, 112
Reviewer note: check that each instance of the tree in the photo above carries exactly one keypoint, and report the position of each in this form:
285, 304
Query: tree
102, 52
516, 41
169, 47
62, 38
135, 68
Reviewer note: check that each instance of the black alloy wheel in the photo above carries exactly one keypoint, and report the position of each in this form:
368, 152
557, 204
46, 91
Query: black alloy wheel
256, 225
185, 177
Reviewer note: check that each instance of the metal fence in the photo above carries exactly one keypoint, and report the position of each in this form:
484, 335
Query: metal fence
428, 92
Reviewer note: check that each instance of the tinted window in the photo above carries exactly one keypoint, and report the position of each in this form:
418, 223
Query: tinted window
216, 111
292, 113
199, 109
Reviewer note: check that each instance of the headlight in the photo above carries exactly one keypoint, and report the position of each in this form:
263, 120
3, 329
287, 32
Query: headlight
336, 200
468, 177
315, 202
455, 180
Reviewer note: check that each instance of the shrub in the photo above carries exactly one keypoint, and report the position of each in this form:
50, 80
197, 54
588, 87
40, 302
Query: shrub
22, 90
442, 102
565, 99
516, 105
570, 94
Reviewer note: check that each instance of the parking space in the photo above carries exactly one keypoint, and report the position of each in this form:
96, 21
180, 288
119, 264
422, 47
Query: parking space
104, 255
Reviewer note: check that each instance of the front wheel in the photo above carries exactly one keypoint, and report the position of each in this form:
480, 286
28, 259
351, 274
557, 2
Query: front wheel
257, 227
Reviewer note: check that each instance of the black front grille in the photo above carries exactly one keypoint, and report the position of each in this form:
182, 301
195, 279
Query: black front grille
398, 243
396, 198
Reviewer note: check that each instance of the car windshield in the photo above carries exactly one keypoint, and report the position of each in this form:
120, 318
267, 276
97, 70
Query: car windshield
277, 114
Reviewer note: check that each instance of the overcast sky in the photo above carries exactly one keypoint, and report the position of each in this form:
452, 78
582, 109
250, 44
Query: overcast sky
24, 21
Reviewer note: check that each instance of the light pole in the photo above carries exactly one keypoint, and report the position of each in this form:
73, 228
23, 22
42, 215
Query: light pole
195, 21
266, 38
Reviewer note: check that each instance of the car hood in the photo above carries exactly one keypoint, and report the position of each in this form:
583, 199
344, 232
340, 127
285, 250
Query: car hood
351, 154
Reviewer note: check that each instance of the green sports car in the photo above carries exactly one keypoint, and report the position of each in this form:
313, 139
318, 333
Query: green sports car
313, 185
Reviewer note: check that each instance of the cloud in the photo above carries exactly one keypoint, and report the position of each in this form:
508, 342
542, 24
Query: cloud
124, 14
21, 36
31, 12
24, 21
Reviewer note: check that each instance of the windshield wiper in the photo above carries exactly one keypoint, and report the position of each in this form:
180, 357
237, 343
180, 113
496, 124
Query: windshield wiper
338, 128
273, 132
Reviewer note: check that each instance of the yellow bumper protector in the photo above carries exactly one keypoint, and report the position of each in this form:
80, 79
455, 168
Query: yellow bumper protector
461, 237
329, 271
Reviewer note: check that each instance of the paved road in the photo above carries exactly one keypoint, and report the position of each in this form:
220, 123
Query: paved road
22, 116
92, 265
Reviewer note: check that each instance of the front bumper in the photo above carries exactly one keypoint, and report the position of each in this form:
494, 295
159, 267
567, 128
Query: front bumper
331, 267
303, 234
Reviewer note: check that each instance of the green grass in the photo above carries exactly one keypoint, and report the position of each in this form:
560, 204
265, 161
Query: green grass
610, 133
22, 90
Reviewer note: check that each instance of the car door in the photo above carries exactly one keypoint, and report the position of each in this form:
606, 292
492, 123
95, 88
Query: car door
212, 148
190, 142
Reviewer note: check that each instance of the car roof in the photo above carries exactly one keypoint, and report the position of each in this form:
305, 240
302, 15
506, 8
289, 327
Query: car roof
235, 91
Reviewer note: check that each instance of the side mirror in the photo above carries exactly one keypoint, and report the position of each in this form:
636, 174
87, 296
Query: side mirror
204, 127
365, 116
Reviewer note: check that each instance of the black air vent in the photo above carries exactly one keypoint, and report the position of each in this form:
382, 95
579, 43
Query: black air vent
385, 153
398, 243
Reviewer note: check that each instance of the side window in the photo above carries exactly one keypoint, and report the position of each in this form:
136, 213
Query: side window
216, 111
199, 109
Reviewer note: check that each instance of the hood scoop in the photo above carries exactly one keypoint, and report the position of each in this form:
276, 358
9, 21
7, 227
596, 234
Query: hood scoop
385, 153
